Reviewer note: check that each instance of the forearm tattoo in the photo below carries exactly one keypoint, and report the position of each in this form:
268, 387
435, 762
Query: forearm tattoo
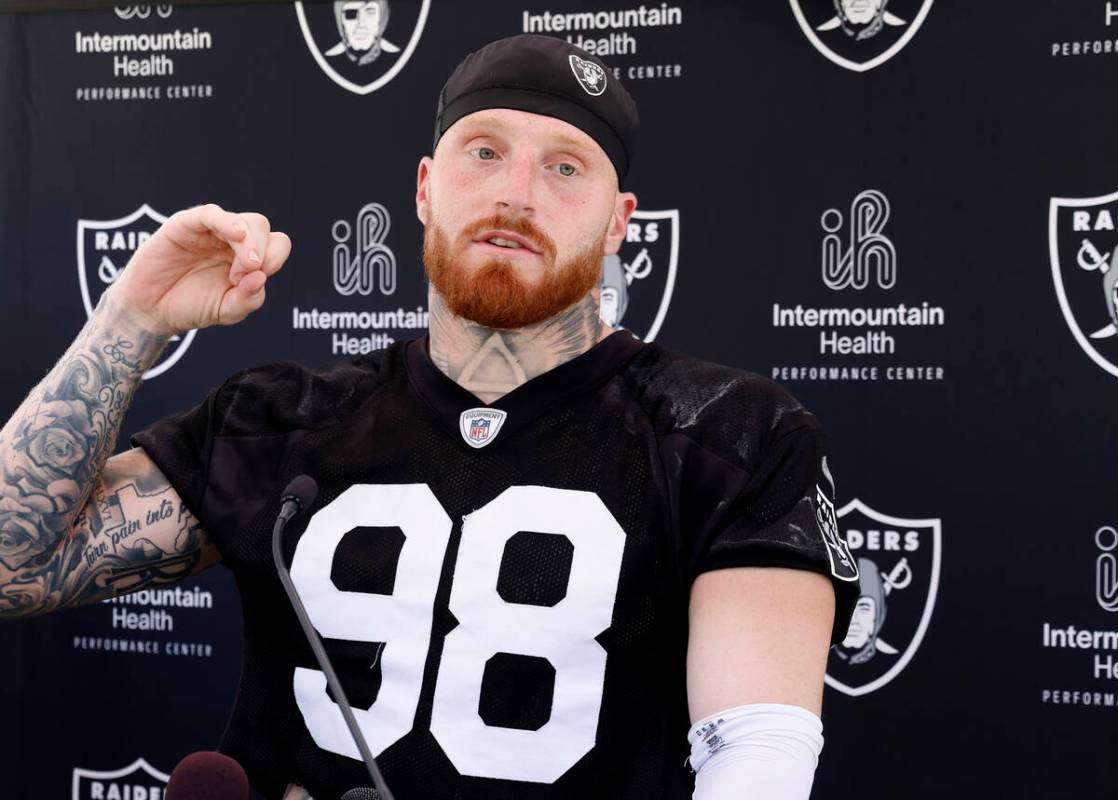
54, 549
491, 363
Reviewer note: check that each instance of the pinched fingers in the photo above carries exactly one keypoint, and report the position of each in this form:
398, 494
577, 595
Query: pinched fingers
247, 294
204, 227
212, 218
255, 247
278, 249
241, 300
251, 254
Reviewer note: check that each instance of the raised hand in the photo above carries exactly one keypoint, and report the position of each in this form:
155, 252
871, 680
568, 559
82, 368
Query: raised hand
204, 266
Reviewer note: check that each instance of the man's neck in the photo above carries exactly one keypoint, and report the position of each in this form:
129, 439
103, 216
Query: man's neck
490, 363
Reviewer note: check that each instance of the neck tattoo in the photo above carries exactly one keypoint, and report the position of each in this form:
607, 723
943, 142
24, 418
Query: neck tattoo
490, 363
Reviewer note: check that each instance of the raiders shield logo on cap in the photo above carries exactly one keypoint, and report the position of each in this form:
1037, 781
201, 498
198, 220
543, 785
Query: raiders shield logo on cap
591, 77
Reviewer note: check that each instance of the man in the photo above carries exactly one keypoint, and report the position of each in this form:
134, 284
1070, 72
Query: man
539, 544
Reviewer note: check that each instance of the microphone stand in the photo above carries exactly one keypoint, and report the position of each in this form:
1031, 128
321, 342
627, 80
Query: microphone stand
291, 506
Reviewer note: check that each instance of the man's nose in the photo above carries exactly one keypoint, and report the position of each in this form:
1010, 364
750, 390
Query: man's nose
519, 186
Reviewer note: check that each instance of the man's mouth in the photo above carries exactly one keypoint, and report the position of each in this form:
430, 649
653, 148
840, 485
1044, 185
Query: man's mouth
497, 240
507, 241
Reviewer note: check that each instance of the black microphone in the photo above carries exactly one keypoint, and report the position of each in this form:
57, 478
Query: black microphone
299, 495
207, 776
361, 793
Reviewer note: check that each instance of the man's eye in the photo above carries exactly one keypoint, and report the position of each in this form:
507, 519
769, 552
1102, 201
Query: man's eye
484, 153
566, 170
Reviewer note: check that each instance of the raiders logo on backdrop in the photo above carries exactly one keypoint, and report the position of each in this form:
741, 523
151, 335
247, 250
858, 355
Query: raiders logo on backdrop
591, 77
860, 34
898, 576
104, 248
138, 780
362, 44
637, 282
1083, 249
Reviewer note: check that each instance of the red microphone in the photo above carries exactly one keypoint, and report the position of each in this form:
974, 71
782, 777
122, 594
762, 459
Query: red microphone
207, 775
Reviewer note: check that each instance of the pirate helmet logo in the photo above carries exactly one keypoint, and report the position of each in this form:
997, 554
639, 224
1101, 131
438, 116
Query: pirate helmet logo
1083, 251
136, 778
898, 578
362, 44
591, 77
104, 248
636, 283
860, 34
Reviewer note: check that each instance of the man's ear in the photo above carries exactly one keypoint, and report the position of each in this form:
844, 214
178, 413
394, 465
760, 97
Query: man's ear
422, 189
623, 208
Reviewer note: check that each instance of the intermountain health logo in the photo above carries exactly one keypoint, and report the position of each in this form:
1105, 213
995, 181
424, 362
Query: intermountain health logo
1088, 29
140, 53
144, 11
860, 34
138, 781
866, 330
363, 263
104, 248
637, 282
362, 44
360, 265
1079, 659
1082, 246
1106, 568
898, 577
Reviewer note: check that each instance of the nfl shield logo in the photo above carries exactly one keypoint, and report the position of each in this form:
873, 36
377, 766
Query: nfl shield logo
860, 34
898, 577
104, 248
362, 44
1081, 246
637, 282
479, 430
480, 426
138, 779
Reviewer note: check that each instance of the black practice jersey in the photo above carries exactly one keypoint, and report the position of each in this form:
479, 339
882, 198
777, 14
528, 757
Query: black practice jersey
502, 588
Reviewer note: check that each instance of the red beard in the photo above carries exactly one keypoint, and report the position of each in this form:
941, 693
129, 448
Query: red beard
494, 295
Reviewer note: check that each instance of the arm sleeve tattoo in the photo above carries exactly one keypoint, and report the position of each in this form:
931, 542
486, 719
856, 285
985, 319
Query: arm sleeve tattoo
55, 548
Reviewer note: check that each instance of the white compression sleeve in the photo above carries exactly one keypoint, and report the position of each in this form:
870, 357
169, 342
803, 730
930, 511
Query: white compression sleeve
766, 751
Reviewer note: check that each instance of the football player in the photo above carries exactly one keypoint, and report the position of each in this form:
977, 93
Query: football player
545, 556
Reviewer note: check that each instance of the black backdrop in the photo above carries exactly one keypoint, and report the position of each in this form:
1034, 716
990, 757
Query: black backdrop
958, 161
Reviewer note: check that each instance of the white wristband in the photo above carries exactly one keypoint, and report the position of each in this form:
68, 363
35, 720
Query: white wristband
762, 750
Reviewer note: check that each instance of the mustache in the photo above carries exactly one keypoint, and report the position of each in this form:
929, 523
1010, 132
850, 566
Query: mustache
521, 226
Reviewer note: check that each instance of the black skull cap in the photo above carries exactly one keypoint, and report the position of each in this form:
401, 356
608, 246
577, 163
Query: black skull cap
548, 76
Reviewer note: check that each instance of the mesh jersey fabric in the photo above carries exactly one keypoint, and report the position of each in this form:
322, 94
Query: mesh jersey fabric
684, 465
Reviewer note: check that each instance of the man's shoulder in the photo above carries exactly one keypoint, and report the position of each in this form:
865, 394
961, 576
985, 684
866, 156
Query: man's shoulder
285, 395
730, 411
